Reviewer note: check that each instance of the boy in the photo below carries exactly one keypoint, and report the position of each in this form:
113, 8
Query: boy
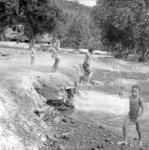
56, 55
86, 66
136, 110
33, 54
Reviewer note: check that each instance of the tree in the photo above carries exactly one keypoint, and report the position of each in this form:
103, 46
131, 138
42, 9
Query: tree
125, 22
79, 31
38, 16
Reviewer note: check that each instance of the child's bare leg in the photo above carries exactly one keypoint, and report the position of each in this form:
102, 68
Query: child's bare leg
89, 77
125, 127
32, 60
139, 133
81, 78
54, 68
57, 64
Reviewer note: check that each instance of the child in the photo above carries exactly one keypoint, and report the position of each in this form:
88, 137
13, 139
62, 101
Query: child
56, 55
86, 66
33, 54
136, 110
122, 92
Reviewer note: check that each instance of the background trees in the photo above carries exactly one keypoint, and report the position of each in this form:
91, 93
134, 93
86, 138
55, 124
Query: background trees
124, 26
37, 16
78, 32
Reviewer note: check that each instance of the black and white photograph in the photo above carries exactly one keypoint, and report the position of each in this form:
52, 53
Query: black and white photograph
74, 74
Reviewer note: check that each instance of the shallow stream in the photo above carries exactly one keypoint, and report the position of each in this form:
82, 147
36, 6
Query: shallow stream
108, 111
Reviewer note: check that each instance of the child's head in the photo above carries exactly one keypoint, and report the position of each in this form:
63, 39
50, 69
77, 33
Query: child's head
135, 91
91, 50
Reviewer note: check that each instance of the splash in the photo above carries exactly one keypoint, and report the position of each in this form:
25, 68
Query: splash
91, 101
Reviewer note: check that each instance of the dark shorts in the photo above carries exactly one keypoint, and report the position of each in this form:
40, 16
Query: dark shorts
86, 68
57, 60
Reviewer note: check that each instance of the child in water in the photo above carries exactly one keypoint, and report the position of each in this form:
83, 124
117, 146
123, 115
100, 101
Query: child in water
86, 66
122, 92
136, 110
56, 55
33, 54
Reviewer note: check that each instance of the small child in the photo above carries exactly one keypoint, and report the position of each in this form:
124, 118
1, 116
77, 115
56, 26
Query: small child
86, 66
56, 54
136, 110
122, 92
33, 54
56, 57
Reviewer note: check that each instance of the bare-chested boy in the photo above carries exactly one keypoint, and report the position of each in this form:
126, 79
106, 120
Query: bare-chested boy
136, 110
86, 66
56, 54
33, 54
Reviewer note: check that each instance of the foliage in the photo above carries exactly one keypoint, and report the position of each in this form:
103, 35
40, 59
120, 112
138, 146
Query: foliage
38, 16
78, 30
124, 22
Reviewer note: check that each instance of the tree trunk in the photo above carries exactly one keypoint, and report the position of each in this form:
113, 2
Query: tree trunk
2, 36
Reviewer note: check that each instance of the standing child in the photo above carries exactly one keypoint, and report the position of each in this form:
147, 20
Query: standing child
56, 55
33, 54
122, 92
86, 66
136, 110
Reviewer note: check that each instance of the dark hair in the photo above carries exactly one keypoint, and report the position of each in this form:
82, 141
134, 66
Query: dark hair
136, 87
91, 50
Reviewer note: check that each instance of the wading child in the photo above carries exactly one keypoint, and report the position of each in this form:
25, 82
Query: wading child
56, 55
86, 66
136, 110
33, 55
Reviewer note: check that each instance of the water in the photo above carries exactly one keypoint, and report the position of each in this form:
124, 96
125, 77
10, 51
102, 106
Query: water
109, 111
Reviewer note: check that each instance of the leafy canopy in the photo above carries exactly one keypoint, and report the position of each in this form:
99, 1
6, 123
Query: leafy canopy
38, 16
124, 22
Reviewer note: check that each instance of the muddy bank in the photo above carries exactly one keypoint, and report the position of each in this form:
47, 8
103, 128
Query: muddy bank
28, 122
20, 126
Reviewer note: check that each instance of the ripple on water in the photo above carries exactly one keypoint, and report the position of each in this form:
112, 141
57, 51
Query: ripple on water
92, 101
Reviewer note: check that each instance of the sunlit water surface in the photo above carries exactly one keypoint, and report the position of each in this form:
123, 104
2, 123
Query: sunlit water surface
109, 111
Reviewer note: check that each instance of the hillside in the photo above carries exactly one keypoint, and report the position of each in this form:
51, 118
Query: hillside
72, 7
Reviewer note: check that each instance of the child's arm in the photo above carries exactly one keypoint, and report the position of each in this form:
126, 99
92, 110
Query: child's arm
142, 109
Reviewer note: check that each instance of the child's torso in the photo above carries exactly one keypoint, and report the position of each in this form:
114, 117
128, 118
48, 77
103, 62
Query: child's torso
33, 51
134, 108
87, 59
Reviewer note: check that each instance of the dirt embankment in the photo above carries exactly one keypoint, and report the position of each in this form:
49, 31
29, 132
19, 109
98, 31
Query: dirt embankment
28, 122
20, 127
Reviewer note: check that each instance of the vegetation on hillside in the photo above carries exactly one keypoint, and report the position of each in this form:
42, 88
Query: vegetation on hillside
37, 16
124, 26
113, 25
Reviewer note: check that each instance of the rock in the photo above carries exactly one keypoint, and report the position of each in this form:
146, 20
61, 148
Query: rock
100, 146
65, 136
57, 119
60, 147
95, 138
64, 120
72, 122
